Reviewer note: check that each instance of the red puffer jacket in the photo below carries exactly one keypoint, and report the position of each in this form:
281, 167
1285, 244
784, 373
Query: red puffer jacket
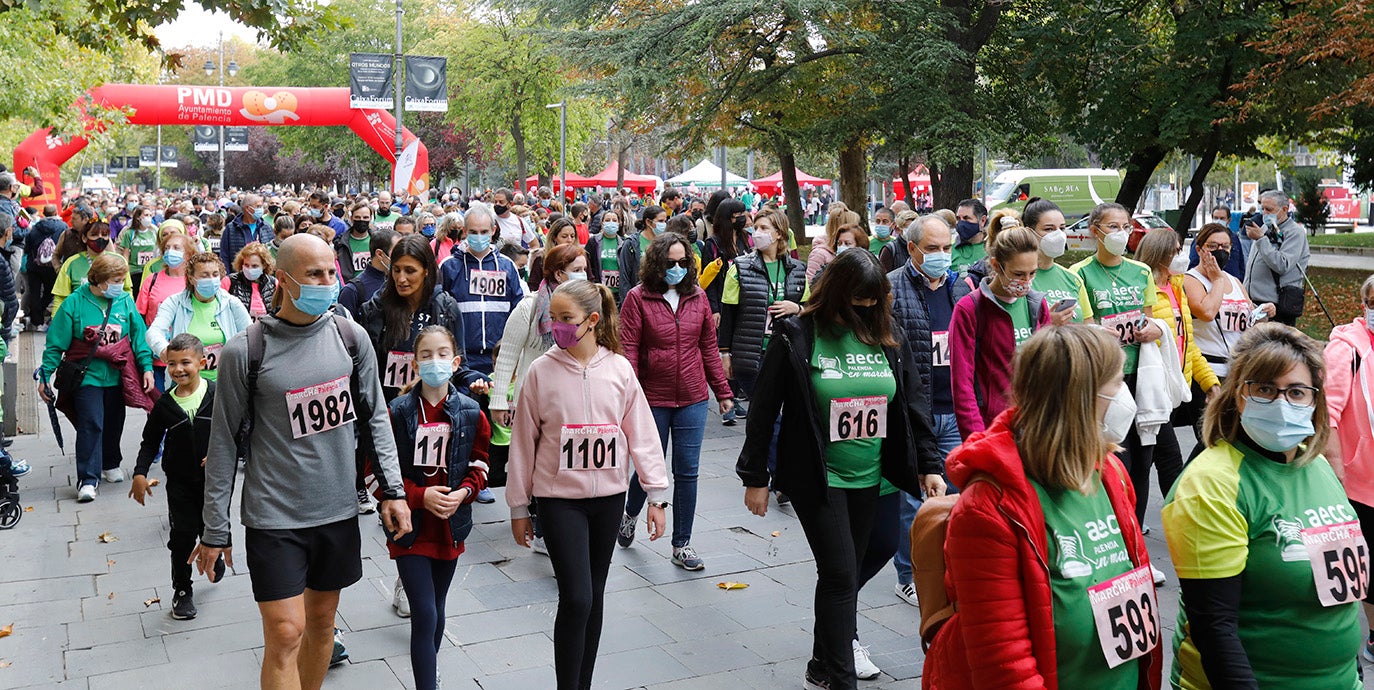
1003, 633
673, 354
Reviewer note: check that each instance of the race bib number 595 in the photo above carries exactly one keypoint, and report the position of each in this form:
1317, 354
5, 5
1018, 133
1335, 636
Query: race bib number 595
320, 408
1125, 615
1340, 562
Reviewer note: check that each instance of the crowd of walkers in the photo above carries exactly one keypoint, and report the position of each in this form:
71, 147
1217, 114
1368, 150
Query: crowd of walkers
942, 395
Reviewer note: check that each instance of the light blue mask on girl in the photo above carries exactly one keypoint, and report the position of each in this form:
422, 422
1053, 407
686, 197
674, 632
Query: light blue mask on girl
436, 372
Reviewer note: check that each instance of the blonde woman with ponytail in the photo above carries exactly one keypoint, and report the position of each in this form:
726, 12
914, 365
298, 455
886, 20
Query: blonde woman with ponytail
582, 424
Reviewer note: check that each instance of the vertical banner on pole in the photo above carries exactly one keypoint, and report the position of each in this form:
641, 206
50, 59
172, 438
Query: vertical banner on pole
132, 163
205, 138
169, 157
147, 157
235, 138
369, 81
426, 84
116, 165
405, 166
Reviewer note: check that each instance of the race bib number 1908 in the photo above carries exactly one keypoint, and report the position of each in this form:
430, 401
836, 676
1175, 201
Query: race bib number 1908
320, 407
1125, 615
487, 283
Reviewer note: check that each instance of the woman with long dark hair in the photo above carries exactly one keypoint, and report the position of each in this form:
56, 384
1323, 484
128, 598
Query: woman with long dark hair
839, 361
561, 231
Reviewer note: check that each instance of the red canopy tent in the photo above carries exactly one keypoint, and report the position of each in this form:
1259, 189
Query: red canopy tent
606, 178
773, 183
574, 182
920, 182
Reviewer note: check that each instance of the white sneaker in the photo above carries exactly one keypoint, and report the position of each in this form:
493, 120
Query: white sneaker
113, 476
863, 666
86, 493
366, 505
399, 601
539, 547
1160, 577
907, 593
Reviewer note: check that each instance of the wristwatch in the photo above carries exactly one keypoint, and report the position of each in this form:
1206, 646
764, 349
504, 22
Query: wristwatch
659, 504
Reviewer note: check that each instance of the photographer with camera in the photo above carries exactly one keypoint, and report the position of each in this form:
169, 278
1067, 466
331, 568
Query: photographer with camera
1277, 259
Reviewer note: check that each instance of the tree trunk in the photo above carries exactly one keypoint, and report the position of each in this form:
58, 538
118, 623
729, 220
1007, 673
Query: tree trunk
853, 178
791, 191
904, 173
1196, 190
1139, 168
517, 133
950, 184
621, 159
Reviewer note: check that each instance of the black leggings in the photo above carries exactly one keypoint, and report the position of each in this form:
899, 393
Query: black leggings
882, 539
426, 582
580, 536
838, 532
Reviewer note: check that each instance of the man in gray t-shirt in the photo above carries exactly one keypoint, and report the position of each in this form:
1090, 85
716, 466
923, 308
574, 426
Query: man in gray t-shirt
299, 507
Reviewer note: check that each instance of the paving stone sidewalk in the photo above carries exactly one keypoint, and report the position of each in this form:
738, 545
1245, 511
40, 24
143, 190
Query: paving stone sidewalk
87, 588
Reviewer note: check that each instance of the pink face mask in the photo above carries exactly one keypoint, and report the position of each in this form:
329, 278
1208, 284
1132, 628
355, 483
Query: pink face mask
565, 334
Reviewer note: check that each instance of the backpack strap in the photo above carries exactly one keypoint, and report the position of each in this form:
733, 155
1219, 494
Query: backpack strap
257, 343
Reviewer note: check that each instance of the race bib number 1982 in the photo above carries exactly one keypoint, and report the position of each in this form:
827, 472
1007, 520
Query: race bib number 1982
320, 407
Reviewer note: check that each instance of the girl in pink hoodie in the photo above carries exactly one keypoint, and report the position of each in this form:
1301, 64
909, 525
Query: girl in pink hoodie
581, 424
1351, 410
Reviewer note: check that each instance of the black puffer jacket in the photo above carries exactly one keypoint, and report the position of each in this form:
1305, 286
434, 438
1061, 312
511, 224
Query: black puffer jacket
627, 253
912, 316
242, 288
440, 310
742, 325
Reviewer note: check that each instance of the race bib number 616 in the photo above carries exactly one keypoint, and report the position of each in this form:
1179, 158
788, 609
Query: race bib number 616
858, 418
320, 408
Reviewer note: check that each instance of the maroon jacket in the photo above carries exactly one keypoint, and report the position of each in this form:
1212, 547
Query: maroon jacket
673, 354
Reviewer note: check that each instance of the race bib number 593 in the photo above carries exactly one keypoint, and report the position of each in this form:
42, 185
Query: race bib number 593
1340, 562
1125, 615
320, 408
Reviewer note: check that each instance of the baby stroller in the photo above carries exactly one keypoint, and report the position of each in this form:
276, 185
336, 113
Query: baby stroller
10, 509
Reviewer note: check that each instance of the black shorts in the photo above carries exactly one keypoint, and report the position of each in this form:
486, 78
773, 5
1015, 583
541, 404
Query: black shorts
283, 563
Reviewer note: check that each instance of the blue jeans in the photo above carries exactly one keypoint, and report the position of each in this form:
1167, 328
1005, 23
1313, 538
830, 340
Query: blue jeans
100, 423
946, 439
687, 426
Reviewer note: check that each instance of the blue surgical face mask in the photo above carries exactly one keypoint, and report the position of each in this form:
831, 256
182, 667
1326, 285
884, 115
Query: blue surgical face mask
173, 258
436, 372
479, 243
257, 213
675, 274
314, 300
207, 287
576, 275
131, 206
609, 229
315, 212
1276, 425
936, 264
1271, 219
660, 226
841, 249
252, 273
882, 231
427, 230
114, 290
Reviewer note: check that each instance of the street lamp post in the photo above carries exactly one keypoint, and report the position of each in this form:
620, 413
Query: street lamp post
210, 70
562, 147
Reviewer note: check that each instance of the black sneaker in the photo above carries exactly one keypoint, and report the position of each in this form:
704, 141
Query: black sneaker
811, 682
183, 606
626, 536
783, 499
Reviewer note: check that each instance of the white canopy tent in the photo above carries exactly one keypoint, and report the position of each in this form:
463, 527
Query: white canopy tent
706, 174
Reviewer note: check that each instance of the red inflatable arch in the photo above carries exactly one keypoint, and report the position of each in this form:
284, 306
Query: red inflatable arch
215, 105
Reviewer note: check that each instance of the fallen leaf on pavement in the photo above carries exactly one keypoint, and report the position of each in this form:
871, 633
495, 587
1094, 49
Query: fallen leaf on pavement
106, 537
154, 482
4, 664
110, 562
7, 630
732, 585
150, 602
111, 597
29, 509
777, 534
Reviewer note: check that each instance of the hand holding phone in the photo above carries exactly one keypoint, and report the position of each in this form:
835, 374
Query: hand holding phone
1063, 304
